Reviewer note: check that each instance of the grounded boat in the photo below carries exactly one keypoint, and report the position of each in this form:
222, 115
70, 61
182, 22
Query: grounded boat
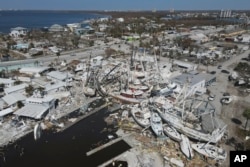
156, 124
124, 99
37, 131
172, 133
174, 116
211, 151
186, 147
89, 91
141, 117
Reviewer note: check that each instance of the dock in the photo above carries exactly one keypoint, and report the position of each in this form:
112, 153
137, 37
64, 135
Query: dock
75, 108
107, 144
103, 146
82, 117
114, 107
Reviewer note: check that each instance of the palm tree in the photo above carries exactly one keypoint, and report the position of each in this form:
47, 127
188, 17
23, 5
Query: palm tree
246, 114
19, 104
29, 90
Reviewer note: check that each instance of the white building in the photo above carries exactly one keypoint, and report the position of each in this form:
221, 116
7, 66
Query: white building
36, 107
185, 65
18, 31
12, 99
96, 61
34, 71
59, 76
195, 83
14, 89
56, 28
7, 82
120, 19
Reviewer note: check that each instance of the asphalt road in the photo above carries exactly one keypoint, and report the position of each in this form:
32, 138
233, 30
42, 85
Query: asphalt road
94, 51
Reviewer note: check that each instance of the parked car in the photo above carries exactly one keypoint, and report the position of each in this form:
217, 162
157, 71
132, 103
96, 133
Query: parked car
225, 71
213, 72
246, 59
211, 97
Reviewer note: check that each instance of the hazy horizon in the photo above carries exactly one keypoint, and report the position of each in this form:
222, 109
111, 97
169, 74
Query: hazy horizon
133, 5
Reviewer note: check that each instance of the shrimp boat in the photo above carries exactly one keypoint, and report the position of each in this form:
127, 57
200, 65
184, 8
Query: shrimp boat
37, 131
174, 116
211, 151
186, 147
172, 133
156, 124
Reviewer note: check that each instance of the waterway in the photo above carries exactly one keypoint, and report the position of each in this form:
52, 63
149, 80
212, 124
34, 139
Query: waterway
67, 148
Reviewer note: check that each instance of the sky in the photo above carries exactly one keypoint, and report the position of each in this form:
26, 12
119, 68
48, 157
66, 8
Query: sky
126, 4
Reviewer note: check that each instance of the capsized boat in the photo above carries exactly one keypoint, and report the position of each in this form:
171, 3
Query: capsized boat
186, 147
37, 131
171, 132
211, 151
156, 124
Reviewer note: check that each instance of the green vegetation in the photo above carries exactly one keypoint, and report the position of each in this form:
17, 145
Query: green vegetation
243, 67
20, 104
246, 114
29, 90
17, 82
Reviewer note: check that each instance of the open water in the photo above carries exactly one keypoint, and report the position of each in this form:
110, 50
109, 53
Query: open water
39, 19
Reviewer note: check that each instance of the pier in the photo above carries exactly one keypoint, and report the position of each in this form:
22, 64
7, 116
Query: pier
103, 146
107, 145
83, 116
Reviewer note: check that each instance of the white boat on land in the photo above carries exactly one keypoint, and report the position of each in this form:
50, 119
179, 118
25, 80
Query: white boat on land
156, 124
88, 91
211, 151
37, 131
174, 117
141, 116
227, 99
171, 132
186, 147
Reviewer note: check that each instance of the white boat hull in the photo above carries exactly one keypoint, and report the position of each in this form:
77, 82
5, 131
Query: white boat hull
186, 147
211, 151
188, 131
172, 133
37, 131
156, 124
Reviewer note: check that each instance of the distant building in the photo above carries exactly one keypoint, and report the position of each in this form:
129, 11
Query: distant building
59, 76
18, 31
56, 28
16, 89
35, 71
7, 82
225, 13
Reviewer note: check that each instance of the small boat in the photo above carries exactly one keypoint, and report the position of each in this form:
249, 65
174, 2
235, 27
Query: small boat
211, 151
227, 99
172, 133
141, 117
37, 131
156, 124
88, 91
186, 147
